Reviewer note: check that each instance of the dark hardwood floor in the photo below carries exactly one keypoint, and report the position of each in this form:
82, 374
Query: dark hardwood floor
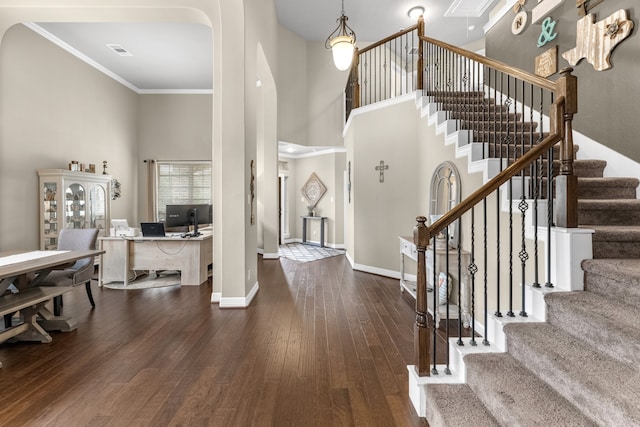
321, 345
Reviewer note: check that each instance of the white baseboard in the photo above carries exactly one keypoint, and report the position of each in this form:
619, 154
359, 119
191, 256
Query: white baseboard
239, 302
270, 256
215, 297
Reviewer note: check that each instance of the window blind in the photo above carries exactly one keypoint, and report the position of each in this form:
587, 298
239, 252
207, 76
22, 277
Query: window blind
181, 182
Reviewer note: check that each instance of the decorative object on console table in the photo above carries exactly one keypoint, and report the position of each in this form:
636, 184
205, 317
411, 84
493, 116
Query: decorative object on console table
456, 284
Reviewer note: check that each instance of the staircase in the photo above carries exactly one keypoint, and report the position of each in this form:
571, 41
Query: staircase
580, 367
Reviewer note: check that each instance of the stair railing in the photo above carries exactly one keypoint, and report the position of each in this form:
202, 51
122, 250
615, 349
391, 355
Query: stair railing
521, 125
386, 69
512, 119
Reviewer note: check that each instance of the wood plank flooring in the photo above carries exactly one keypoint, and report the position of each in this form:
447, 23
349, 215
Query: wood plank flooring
321, 345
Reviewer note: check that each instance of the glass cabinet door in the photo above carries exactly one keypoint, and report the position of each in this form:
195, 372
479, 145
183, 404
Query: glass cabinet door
75, 209
98, 208
50, 213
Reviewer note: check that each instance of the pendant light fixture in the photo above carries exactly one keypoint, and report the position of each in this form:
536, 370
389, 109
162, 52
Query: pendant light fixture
342, 42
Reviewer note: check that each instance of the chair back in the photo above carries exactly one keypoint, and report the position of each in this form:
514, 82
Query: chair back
78, 239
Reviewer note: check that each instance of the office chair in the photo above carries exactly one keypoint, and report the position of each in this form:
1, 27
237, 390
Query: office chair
74, 239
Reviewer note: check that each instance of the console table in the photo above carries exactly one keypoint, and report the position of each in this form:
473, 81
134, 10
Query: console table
304, 228
459, 284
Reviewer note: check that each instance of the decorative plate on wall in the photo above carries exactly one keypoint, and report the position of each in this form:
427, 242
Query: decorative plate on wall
313, 189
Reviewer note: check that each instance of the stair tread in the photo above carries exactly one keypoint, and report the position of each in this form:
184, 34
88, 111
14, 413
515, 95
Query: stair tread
613, 314
609, 181
617, 232
614, 268
609, 204
515, 396
606, 389
458, 405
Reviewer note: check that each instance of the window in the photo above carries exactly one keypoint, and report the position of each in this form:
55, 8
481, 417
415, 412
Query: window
181, 182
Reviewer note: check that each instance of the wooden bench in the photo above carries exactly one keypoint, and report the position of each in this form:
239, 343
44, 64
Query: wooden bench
28, 302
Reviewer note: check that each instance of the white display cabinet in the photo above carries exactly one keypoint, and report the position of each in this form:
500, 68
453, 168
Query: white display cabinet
72, 200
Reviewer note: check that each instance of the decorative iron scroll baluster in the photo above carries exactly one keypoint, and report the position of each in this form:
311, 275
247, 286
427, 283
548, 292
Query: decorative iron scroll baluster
498, 313
460, 323
447, 370
548, 284
434, 370
473, 269
510, 147
523, 206
485, 341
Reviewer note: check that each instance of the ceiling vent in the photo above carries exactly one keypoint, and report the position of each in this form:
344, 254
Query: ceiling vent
468, 8
119, 50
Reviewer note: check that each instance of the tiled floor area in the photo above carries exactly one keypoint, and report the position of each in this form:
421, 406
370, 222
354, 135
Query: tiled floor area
306, 253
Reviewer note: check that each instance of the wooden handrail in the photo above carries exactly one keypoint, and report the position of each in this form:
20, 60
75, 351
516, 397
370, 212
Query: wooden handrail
500, 66
391, 37
483, 192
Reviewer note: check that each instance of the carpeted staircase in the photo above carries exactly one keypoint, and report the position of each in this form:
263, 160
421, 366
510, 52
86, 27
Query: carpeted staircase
579, 368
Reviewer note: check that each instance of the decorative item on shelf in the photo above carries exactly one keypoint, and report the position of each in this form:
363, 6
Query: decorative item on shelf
116, 189
104, 167
444, 287
74, 166
92, 168
313, 190
596, 40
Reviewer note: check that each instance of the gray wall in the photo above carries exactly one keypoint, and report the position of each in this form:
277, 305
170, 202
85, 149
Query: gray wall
608, 100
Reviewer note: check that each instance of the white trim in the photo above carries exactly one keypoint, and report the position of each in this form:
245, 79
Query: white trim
270, 256
215, 297
239, 302
498, 15
322, 152
620, 164
378, 106
376, 270
84, 58
260, 251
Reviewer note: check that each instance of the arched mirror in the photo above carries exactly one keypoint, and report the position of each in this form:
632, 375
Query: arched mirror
445, 194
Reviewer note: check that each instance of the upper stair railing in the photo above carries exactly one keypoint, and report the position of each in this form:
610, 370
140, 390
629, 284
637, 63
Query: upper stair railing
521, 124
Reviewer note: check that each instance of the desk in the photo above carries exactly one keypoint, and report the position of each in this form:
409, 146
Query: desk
190, 255
26, 271
304, 228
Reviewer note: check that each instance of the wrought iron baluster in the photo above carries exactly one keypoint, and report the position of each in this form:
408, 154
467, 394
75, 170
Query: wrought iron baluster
473, 269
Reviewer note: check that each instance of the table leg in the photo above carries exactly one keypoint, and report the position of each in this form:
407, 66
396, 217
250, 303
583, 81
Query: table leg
322, 233
304, 230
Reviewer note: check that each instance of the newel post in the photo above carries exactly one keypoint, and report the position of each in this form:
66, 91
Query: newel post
421, 336
420, 66
355, 78
567, 182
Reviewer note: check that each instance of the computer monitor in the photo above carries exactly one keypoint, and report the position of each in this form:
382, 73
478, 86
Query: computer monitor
189, 215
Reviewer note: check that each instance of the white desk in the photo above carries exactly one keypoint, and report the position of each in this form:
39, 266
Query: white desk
190, 255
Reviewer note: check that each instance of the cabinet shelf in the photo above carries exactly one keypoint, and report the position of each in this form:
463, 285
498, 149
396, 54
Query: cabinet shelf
72, 200
408, 249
